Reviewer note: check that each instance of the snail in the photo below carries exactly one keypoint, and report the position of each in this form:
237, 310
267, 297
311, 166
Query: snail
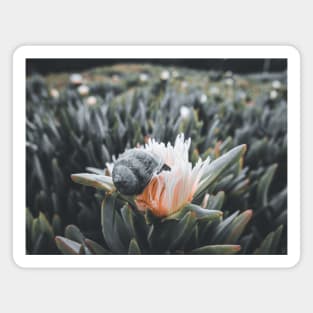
134, 169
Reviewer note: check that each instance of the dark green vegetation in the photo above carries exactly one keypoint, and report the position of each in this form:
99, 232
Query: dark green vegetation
70, 129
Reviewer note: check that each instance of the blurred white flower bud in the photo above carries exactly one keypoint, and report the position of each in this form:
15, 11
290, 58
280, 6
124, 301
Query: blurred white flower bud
185, 112
229, 82
228, 74
76, 79
214, 91
276, 84
165, 75
115, 78
54, 93
143, 77
83, 90
91, 100
184, 84
273, 94
175, 74
203, 98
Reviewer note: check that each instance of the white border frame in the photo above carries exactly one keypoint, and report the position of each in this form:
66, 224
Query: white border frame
155, 261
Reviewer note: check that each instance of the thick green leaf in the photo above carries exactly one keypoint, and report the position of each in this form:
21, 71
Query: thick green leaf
56, 224
72, 232
222, 228
217, 249
217, 167
67, 246
58, 176
181, 232
97, 181
216, 202
240, 188
277, 238
224, 183
193, 239
122, 229
109, 226
39, 172
45, 226
265, 247
95, 248
40, 244
35, 230
196, 211
270, 244
133, 247
237, 227
263, 186
96, 171
29, 220
127, 215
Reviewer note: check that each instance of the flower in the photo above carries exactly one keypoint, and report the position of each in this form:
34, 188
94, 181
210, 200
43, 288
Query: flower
76, 79
83, 90
276, 84
273, 94
143, 77
54, 93
170, 190
185, 112
203, 98
91, 101
165, 75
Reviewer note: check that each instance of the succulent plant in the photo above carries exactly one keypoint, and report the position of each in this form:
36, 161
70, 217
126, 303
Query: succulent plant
241, 209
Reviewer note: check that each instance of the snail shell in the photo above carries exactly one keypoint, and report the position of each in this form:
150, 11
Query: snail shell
134, 169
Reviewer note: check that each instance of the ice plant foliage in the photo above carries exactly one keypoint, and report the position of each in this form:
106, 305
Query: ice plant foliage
71, 134
172, 189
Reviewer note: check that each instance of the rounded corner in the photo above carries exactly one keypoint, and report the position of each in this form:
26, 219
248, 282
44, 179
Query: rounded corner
295, 260
19, 51
293, 51
18, 261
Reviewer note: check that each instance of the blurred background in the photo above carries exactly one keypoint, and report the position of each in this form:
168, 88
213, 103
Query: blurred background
46, 66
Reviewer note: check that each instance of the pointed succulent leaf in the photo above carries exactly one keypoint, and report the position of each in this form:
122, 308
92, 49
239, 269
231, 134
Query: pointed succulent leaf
133, 247
193, 239
206, 214
181, 232
67, 246
40, 243
216, 202
217, 167
127, 215
237, 227
72, 232
29, 220
97, 181
39, 172
58, 176
263, 186
56, 224
45, 226
270, 244
222, 228
265, 247
196, 211
109, 226
94, 170
217, 249
35, 230
277, 239
95, 248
